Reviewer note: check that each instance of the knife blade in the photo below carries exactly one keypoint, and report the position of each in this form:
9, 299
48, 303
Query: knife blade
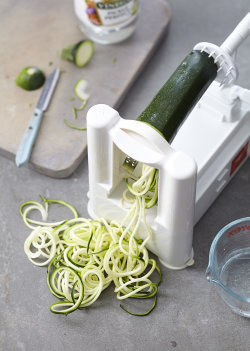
30, 134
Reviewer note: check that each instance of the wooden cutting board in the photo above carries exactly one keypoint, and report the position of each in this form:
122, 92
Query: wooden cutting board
33, 33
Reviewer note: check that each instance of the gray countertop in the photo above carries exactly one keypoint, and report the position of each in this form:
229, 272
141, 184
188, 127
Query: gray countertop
189, 315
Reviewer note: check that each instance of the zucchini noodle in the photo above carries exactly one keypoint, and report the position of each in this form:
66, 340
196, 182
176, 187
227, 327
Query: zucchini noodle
142, 193
85, 256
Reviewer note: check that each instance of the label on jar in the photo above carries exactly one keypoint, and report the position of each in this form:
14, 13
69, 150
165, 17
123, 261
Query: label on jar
111, 12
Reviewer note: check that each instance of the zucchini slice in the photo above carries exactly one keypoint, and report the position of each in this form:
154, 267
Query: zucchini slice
81, 89
79, 53
83, 52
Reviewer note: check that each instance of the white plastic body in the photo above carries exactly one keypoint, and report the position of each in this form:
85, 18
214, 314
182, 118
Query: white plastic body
110, 139
216, 134
208, 150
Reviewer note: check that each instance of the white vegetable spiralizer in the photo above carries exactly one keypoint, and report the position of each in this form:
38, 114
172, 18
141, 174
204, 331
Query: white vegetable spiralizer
206, 153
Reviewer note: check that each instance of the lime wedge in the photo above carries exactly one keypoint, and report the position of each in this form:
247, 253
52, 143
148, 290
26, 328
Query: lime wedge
30, 78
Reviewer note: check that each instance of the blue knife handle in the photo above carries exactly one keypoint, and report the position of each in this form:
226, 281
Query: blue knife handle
25, 148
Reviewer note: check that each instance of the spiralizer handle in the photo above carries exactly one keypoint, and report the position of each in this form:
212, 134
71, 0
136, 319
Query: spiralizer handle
240, 33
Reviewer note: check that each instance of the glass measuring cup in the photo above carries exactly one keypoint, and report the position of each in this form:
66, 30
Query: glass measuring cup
229, 265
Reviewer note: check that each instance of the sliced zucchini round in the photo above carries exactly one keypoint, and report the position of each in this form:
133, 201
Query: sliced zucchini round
81, 89
80, 53
83, 52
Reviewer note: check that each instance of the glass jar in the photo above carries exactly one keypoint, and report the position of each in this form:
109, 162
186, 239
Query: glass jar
107, 21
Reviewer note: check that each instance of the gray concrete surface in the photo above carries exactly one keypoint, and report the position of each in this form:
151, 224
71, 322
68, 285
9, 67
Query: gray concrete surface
190, 315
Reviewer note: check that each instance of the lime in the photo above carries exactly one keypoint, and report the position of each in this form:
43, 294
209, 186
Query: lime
30, 78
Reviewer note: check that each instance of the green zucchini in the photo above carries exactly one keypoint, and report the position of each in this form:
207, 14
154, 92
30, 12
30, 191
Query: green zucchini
79, 53
180, 93
83, 52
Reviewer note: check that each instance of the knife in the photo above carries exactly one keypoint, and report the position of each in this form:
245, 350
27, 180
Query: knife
25, 148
